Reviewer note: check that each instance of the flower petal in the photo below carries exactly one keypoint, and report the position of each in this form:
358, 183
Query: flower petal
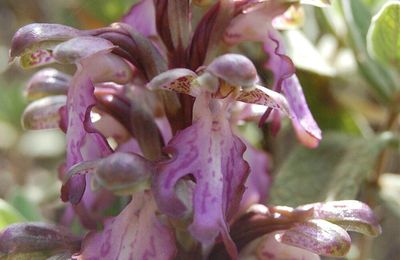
142, 18
351, 215
258, 182
178, 80
212, 154
266, 97
318, 236
83, 143
306, 128
283, 69
136, 233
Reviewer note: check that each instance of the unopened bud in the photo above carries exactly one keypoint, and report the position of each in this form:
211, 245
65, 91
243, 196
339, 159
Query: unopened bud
124, 173
34, 237
47, 82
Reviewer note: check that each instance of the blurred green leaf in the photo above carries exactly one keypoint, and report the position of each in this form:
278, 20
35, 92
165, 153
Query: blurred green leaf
358, 17
8, 215
25, 206
384, 35
333, 171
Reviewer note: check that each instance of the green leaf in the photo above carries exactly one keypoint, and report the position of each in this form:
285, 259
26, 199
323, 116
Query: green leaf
25, 206
384, 35
358, 18
8, 215
333, 171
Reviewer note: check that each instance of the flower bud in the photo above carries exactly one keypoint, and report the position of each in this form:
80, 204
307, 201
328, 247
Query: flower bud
47, 82
124, 173
43, 113
34, 43
79, 48
35, 237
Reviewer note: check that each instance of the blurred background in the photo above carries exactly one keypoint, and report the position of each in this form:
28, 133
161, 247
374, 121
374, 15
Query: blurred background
354, 98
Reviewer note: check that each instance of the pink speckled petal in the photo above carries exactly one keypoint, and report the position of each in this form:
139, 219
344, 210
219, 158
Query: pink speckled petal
213, 155
266, 97
136, 233
318, 236
178, 80
351, 215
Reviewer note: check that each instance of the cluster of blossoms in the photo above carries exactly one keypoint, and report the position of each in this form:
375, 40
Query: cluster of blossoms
151, 114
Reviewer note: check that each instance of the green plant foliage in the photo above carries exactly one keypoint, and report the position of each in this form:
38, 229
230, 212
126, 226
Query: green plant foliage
384, 35
8, 214
333, 171
358, 17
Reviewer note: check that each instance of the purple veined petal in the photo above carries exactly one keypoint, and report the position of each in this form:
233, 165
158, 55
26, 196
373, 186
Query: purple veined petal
210, 153
266, 97
259, 180
351, 215
136, 233
283, 69
141, 17
305, 126
178, 80
268, 248
47, 82
318, 236
31, 35
33, 236
78, 48
43, 113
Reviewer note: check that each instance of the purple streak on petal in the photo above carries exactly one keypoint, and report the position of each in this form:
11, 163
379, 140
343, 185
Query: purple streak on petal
83, 142
318, 236
213, 155
136, 233
258, 182
352, 215
142, 17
